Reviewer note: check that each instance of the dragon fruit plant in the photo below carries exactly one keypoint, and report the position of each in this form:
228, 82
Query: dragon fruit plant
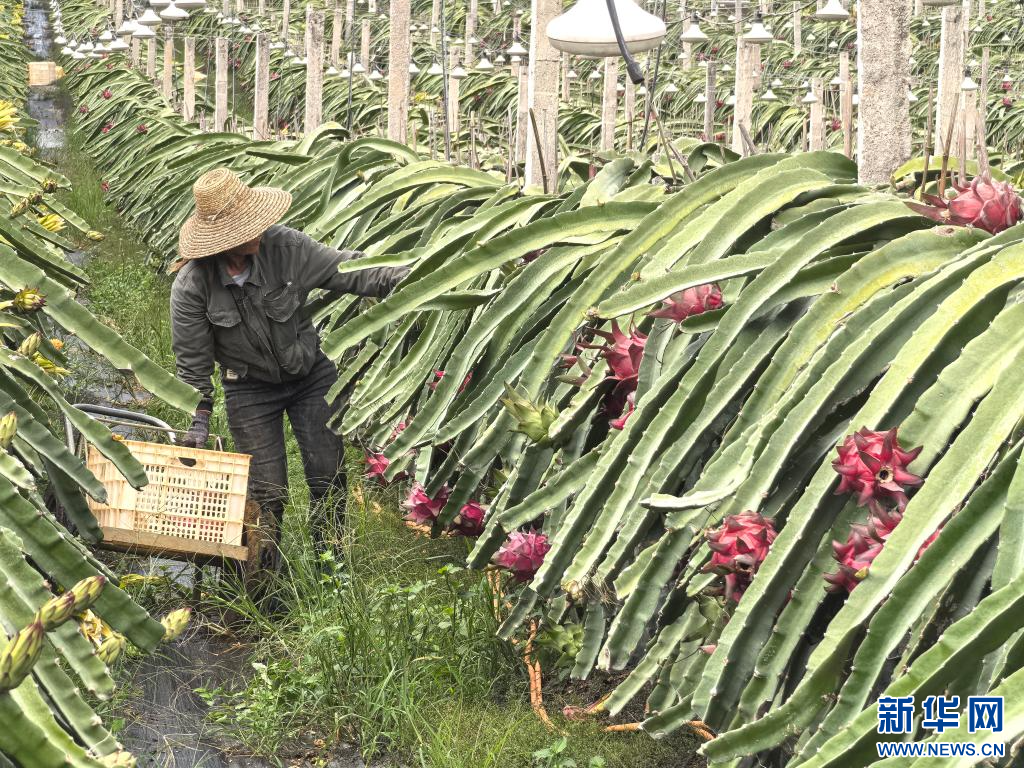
984, 203
522, 554
738, 548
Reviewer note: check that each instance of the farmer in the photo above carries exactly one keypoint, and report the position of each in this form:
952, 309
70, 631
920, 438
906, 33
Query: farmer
238, 300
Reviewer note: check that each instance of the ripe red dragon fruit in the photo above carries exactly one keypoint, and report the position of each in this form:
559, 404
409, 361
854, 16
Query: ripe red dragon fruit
470, 520
622, 352
873, 465
522, 554
424, 510
620, 423
862, 546
984, 203
692, 301
376, 464
739, 547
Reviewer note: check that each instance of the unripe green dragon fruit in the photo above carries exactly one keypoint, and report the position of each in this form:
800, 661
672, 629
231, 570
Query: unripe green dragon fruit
533, 420
111, 649
873, 465
20, 654
30, 345
87, 592
562, 642
738, 548
29, 300
56, 611
175, 623
8, 429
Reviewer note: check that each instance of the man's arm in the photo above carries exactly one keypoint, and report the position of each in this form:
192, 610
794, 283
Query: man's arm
192, 339
320, 270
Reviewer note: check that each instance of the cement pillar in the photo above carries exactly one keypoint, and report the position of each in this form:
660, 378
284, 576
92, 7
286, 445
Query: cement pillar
883, 74
952, 54
364, 49
399, 55
542, 97
261, 90
188, 98
220, 104
846, 103
167, 87
743, 110
471, 18
314, 69
816, 132
609, 103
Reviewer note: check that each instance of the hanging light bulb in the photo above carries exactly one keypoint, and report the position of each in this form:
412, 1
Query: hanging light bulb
1007, 80
968, 84
435, 70
833, 10
769, 95
517, 49
758, 34
172, 13
149, 18
856, 99
98, 50
727, 67
586, 29
105, 36
484, 64
809, 98
693, 33
833, 46
77, 55
245, 29
345, 74
73, 44
413, 69
376, 75
65, 51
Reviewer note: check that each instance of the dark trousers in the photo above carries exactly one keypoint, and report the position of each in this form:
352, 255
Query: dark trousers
256, 418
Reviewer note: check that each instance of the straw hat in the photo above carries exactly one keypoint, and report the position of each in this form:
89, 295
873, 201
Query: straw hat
228, 213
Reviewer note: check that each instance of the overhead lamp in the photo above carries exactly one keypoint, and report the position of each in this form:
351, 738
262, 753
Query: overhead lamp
1005, 39
289, 54
910, 96
173, 13
413, 69
1007, 80
73, 44
118, 45
700, 98
127, 27
671, 88
758, 34
833, 46
809, 98
730, 100
458, 73
191, 5
98, 50
345, 73
331, 71
777, 83
376, 75
856, 99
517, 49
968, 84
727, 67
60, 40
149, 18
836, 81
499, 59
105, 36
435, 70
299, 61
693, 33
586, 29
641, 91
65, 51
143, 32
571, 75
484, 64
86, 47
833, 10
769, 95
159, 5
244, 29
939, 3
358, 68
77, 55
595, 74
620, 88
277, 45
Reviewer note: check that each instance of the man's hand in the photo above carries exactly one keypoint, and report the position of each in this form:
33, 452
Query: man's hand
199, 432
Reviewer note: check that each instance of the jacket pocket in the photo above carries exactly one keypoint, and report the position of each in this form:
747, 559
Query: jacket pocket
282, 308
232, 347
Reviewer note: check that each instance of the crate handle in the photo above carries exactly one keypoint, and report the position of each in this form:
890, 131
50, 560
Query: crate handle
187, 461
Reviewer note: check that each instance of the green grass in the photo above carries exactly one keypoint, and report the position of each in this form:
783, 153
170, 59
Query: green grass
388, 643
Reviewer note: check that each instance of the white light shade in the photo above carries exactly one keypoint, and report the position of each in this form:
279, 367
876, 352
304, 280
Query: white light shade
289, 54
620, 88
832, 11
968, 84
434, 70
1006, 75
118, 45
769, 95
458, 73
516, 49
100, 48
777, 83
910, 96
173, 13
191, 5
127, 27
299, 61
358, 68
939, 3
856, 99
149, 18
376, 75
143, 32
244, 29
332, 71
758, 34
595, 74
105, 36
60, 40
277, 45
809, 98
641, 91
66, 51
835, 81
72, 44
571, 75
77, 55
693, 33
345, 74
86, 47
413, 69
159, 5
700, 98
499, 59
671, 88
586, 29
484, 65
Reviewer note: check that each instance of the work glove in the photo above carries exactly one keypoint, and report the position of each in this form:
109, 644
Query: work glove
199, 432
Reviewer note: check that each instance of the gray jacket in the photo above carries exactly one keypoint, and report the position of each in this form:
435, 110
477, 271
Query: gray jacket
261, 331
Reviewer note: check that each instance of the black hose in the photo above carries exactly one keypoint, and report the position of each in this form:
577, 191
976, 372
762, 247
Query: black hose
631, 66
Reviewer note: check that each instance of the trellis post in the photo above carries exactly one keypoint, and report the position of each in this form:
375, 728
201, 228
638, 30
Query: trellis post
398, 70
188, 91
167, 87
314, 69
220, 101
261, 90
542, 98
609, 103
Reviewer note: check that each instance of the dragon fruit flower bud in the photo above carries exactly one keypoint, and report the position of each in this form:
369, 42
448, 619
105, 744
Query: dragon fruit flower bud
87, 591
8, 429
111, 649
30, 345
533, 420
20, 654
29, 300
56, 611
175, 623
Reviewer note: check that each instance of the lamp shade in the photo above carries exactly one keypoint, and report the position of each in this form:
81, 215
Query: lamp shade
118, 45
832, 11
769, 95
458, 73
693, 33
173, 13
484, 64
939, 3
586, 29
968, 83
105, 36
758, 33
127, 27
434, 70
191, 5
376, 75
143, 32
149, 19
517, 49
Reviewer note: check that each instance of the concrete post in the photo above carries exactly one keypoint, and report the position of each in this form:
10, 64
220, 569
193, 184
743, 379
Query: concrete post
314, 69
542, 97
398, 70
952, 53
286, 13
609, 103
336, 25
471, 18
188, 99
220, 103
883, 74
846, 103
167, 87
261, 90
797, 33
816, 133
151, 58
709, 102
364, 50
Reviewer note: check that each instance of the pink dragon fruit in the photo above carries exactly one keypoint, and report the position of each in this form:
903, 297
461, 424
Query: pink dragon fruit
470, 520
862, 546
623, 353
438, 375
984, 203
620, 422
692, 301
523, 553
424, 510
738, 548
873, 465
376, 464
